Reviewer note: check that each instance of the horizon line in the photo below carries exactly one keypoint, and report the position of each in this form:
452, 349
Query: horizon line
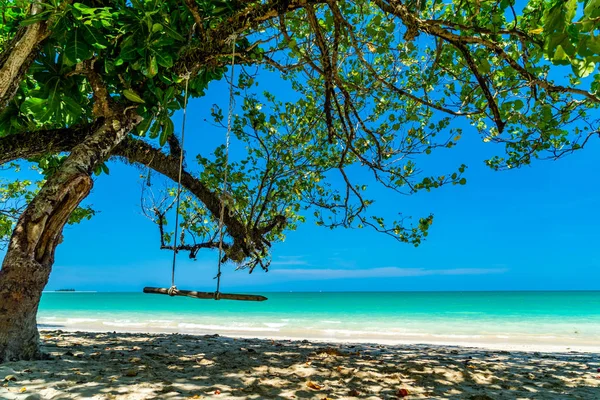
351, 291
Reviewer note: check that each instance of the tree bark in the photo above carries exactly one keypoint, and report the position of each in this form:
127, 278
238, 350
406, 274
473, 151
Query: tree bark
36, 143
30, 255
19, 54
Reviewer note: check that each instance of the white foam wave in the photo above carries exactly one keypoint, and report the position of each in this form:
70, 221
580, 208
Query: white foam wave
274, 324
226, 328
124, 324
80, 320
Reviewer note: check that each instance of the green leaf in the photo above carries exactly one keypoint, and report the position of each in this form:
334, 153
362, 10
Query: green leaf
173, 33
157, 28
152, 67
44, 15
592, 9
71, 107
570, 9
593, 44
583, 68
143, 126
164, 59
129, 50
518, 104
154, 130
132, 96
33, 106
167, 131
76, 49
484, 66
84, 9
559, 39
560, 57
94, 38
555, 18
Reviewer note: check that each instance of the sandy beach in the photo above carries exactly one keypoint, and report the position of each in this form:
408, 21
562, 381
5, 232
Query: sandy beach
90, 365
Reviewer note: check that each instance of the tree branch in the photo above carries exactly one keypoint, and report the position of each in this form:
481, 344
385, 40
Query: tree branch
249, 241
31, 144
193, 7
18, 55
216, 43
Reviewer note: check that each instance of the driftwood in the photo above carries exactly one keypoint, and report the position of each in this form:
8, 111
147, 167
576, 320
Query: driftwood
206, 295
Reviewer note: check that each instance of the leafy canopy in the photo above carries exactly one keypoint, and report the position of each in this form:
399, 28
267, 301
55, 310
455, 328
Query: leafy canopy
378, 86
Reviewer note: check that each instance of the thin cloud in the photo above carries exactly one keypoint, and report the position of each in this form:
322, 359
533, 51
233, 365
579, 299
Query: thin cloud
289, 260
385, 272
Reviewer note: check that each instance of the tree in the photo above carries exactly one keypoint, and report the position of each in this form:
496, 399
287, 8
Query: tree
378, 86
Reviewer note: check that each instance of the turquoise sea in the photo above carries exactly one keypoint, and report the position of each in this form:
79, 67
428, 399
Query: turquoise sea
519, 318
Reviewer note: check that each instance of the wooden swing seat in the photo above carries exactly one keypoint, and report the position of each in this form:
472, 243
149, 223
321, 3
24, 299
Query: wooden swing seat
206, 295
217, 295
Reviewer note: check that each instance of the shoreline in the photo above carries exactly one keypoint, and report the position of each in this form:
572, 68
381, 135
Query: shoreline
500, 345
144, 366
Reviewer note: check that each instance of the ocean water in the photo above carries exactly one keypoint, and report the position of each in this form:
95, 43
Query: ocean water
537, 318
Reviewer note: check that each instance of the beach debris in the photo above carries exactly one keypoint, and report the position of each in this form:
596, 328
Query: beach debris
402, 392
23, 389
248, 350
217, 391
131, 372
331, 351
354, 393
9, 378
313, 385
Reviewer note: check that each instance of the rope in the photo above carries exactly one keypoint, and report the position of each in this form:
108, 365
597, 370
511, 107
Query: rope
231, 39
173, 288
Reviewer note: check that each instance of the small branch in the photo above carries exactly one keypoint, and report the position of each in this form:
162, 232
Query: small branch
492, 105
193, 7
102, 100
195, 248
328, 69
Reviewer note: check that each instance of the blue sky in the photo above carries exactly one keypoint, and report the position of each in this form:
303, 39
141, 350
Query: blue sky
529, 229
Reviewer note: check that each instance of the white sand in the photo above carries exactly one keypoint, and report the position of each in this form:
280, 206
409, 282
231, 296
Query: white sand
171, 366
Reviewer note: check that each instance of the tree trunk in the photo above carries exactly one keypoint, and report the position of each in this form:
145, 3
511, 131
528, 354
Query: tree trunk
30, 255
26, 269
19, 54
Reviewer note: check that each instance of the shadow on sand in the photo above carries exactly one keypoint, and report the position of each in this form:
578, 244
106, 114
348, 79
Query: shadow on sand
160, 366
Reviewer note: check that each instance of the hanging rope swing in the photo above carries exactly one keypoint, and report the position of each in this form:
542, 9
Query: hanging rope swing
216, 295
